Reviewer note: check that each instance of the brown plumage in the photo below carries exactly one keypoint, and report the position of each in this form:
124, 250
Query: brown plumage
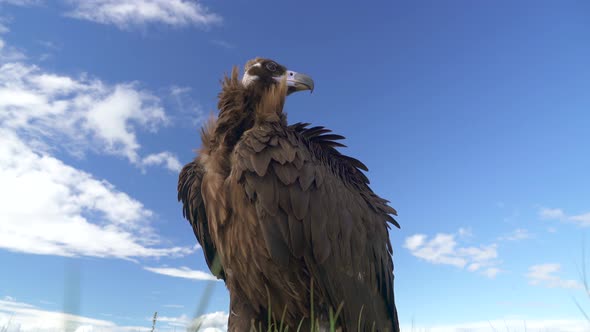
277, 206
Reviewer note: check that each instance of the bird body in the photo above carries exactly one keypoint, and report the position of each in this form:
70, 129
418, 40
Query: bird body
281, 214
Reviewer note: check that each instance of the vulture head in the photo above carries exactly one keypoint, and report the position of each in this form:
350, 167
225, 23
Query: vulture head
260, 74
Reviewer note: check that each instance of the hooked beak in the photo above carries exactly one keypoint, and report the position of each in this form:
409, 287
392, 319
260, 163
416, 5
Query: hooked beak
297, 82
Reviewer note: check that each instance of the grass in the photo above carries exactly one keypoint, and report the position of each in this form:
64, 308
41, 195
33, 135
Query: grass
272, 324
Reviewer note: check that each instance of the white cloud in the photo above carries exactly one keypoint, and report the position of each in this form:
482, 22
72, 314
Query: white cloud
109, 119
127, 13
48, 207
76, 114
415, 241
180, 321
20, 2
163, 158
443, 249
582, 220
508, 324
439, 250
23, 317
545, 275
211, 322
546, 213
182, 272
491, 272
516, 235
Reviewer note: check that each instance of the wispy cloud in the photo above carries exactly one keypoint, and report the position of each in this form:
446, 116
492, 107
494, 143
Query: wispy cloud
21, 2
547, 213
491, 272
582, 220
190, 112
516, 235
443, 249
49, 45
7, 52
545, 275
182, 272
23, 317
465, 232
223, 43
128, 13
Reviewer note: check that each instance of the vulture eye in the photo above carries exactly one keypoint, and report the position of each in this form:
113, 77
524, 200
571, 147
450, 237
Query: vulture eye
271, 66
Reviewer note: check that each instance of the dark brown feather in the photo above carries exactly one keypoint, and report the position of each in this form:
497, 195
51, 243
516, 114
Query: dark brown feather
189, 193
299, 201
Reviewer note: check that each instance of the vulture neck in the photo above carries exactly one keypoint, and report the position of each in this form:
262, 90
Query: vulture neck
241, 108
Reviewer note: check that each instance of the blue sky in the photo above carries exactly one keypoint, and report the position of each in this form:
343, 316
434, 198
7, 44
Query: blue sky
472, 118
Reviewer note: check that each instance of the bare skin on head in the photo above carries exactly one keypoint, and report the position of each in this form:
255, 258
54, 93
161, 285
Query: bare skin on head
278, 209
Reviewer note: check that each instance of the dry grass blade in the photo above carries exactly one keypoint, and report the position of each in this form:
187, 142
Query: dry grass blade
492, 326
334, 317
360, 318
582, 310
584, 276
154, 321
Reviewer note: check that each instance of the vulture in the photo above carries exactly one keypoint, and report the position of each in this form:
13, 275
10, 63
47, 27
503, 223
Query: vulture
286, 220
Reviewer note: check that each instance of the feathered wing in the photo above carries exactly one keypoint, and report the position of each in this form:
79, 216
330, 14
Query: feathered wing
193, 209
315, 204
